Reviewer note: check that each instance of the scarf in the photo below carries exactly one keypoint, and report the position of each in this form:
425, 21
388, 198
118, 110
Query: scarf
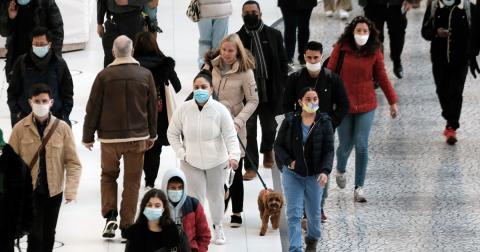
261, 74
41, 63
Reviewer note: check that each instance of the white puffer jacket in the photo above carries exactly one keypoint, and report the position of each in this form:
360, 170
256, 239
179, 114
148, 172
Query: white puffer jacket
209, 136
215, 8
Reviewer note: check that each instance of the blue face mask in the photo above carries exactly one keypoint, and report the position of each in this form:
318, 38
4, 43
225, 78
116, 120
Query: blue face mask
23, 2
201, 95
40, 51
174, 195
153, 213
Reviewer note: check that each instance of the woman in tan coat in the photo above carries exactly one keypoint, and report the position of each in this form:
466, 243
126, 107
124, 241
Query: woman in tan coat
233, 82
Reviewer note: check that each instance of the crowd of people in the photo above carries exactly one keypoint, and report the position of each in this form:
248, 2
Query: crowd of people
243, 76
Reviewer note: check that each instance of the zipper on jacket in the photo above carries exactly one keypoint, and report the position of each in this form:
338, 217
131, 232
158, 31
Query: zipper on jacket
199, 117
303, 145
449, 28
220, 85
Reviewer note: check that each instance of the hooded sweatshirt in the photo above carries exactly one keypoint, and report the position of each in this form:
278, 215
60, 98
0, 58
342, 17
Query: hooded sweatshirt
189, 213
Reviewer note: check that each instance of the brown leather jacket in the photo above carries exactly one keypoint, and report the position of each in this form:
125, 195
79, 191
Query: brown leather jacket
123, 104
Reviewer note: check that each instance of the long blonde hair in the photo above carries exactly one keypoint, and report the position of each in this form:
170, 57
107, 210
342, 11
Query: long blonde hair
245, 58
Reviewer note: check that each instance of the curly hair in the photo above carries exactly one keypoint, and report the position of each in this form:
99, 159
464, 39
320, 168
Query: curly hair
373, 43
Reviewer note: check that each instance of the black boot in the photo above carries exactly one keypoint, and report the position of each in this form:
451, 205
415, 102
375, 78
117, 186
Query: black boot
311, 245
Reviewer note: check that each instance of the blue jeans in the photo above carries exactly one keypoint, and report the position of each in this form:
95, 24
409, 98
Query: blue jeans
354, 131
151, 12
301, 193
212, 31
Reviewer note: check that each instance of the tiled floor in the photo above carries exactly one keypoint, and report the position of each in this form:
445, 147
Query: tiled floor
423, 195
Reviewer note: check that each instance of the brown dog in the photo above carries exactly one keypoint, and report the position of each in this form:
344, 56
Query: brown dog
270, 204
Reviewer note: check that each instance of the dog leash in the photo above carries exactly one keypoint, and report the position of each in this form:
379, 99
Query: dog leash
251, 162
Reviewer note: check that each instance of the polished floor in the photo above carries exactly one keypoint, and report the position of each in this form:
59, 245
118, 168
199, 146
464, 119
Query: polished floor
422, 194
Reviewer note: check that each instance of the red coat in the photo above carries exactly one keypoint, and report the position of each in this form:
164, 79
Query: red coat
358, 73
195, 225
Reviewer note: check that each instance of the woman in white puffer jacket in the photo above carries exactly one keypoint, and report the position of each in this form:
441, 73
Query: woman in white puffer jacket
203, 136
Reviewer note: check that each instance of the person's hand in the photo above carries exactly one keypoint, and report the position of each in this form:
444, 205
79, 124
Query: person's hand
442, 32
12, 9
393, 110
292, 165
232, 163
89, 146
100, 30
474, 66
322, 179
150, 143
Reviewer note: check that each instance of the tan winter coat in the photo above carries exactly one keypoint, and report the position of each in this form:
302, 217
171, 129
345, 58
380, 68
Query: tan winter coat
215, 8
231, 89
60, 154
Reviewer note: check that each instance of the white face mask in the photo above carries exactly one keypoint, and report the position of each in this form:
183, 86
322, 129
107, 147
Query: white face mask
313, 67
361, 40
175, 195
41, 110
448, 2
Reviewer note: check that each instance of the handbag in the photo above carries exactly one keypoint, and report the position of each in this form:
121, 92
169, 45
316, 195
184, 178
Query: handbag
193, 11
170, 102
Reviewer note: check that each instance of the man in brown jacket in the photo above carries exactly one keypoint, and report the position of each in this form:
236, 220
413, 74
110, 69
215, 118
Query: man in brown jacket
57, 162
122, 108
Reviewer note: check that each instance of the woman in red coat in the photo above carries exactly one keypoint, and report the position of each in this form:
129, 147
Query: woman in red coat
360, 48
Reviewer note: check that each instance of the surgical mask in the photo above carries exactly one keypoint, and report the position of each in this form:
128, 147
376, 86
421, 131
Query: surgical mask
41, 110
40, 51
23, 2
201, 95
313, 67
310, 107
361, 40
251, 21
175, 195
449, 3
153, 213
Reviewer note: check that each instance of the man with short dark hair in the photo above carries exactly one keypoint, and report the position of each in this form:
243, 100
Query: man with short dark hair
54, 166
40, 65
266, 43
20, 17
122, 109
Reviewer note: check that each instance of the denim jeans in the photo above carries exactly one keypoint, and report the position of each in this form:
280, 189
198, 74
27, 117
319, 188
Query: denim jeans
354, 131
302, 193
212, 31
151, 12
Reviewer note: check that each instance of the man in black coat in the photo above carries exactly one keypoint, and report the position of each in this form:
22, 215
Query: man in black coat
40, 65
19, 18
266, 44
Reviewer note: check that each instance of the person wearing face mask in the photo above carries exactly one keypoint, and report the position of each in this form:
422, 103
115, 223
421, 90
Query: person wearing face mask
452, 28
304, 154
154, 230
186, 211
21, 17
40, 65
362, 63
55, 168
203, 136
271, 70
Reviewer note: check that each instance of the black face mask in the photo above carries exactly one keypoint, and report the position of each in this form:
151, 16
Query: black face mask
251, 21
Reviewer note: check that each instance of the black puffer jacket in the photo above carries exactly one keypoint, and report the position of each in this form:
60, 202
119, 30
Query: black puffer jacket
163, 71
16, 210
313, 158
297, 4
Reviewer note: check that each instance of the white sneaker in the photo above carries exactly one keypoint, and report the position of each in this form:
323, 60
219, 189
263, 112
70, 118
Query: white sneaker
219, 236
343, 14
358, 195
341, 179
329, 13
148, 188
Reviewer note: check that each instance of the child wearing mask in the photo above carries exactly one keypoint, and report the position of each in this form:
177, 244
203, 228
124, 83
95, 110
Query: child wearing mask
186, 211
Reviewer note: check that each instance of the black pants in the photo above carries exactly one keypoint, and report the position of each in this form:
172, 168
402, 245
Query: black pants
269, 129
151, 163
396, 24
42, 236
236, 190
292, 20
128, 24
450, 82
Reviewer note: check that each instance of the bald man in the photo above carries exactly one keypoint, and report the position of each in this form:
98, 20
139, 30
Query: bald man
122, 109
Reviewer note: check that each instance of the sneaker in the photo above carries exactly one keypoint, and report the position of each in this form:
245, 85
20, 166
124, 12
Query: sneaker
148, 188
324, 217
110, 227
311, 245
450, 135
341, 179
218, 235
343, 14
329, 13
358, 195
249, 175
398, 70
235, 221
291, 66
268, 159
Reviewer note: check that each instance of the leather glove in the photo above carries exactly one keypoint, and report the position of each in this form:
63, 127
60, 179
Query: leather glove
474, 66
